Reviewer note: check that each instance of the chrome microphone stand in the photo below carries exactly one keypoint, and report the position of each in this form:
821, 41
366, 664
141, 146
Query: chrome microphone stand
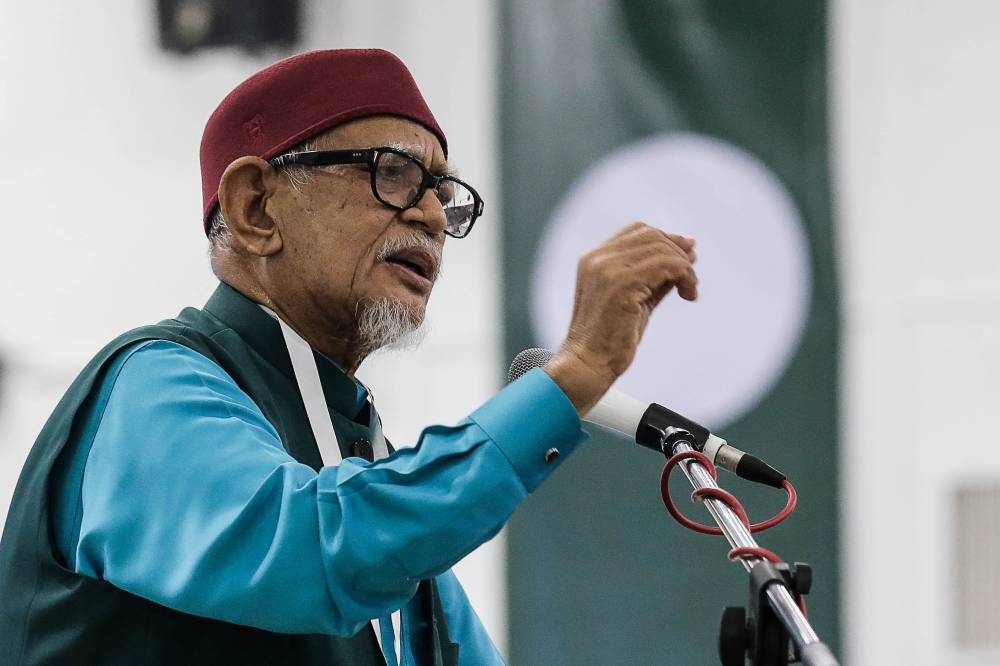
774, 615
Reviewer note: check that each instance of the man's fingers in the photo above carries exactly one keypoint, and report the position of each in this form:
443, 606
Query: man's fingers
618, 285
639, 241
649, 259
643, 235
685, 243
688, 292
661, 274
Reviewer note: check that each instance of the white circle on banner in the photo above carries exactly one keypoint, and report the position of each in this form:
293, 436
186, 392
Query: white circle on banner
713, 359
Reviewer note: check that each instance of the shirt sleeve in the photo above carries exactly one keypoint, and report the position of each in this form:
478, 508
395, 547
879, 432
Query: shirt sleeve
464, 626
189, 499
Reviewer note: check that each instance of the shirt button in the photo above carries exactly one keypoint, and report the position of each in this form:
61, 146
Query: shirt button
362, 448
551, 454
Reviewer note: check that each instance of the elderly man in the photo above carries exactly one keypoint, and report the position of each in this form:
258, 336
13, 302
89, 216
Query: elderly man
216, 488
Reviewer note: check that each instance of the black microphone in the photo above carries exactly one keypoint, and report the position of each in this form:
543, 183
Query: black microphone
647, 424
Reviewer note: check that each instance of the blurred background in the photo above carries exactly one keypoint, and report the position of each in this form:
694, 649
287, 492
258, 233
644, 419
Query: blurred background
834, 159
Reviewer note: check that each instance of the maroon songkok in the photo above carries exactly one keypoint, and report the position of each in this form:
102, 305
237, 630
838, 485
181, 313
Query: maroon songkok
298, 98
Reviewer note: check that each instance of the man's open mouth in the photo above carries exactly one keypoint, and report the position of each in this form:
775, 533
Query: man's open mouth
419, 260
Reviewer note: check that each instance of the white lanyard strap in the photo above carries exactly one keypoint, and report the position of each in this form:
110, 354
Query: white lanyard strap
311, 389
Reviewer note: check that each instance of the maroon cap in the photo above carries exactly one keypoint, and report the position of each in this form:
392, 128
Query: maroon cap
298, 98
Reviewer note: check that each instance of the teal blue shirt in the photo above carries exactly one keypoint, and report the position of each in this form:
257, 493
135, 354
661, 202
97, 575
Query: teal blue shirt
178, 490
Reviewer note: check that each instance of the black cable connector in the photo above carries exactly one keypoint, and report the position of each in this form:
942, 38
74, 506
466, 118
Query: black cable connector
754, 469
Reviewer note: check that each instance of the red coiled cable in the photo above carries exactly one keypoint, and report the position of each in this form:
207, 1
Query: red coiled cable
730, 500
719, 494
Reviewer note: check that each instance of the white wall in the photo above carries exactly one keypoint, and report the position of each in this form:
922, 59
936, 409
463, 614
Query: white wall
916, 111
101, 218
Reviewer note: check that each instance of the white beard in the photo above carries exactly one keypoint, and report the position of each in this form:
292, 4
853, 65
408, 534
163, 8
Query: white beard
387, 323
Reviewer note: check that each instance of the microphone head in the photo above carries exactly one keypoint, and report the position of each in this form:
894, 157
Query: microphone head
527, 360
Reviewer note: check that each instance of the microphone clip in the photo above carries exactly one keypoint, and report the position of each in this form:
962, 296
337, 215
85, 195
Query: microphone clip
658, 424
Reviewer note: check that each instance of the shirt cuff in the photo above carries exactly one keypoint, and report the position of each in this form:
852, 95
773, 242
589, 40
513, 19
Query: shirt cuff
534, 424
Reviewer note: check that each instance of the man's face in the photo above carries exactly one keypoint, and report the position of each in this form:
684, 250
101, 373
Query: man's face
333, 228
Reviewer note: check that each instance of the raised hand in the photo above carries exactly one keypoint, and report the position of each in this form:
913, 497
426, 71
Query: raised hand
618, 285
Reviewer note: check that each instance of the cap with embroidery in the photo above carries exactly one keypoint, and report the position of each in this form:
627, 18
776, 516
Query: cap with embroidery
300, 97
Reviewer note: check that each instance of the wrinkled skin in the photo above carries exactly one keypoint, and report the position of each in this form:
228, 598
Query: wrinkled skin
310, 253
618, 285
311, 256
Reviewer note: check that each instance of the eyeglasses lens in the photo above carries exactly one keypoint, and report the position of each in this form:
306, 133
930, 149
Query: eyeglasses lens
398, 179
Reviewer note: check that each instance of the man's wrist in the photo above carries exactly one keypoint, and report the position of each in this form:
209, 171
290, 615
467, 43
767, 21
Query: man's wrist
582, 384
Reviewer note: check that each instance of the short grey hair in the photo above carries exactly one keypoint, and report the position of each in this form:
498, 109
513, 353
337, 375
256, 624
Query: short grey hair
218, 231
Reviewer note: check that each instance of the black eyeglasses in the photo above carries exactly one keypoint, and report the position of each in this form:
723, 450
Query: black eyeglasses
400, 181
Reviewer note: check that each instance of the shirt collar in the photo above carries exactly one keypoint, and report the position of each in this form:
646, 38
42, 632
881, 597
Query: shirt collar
258, 329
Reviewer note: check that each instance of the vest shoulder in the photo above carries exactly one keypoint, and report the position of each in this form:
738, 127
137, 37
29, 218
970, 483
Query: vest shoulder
192, 328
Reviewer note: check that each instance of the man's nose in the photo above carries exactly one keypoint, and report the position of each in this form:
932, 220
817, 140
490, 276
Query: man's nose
428, 213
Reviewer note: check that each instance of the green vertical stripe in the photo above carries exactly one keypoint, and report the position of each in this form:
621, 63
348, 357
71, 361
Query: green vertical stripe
599, 572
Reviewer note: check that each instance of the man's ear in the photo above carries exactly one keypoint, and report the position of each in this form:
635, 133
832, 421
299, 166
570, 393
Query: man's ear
245, 187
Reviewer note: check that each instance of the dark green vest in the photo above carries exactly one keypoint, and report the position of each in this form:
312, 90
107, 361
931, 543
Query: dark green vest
50, 615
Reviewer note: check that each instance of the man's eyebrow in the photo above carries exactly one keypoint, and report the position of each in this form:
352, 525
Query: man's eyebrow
417, 153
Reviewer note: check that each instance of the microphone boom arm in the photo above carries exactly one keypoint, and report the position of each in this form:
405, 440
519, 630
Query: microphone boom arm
812, 651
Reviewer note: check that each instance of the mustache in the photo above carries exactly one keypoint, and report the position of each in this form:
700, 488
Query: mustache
412, 239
